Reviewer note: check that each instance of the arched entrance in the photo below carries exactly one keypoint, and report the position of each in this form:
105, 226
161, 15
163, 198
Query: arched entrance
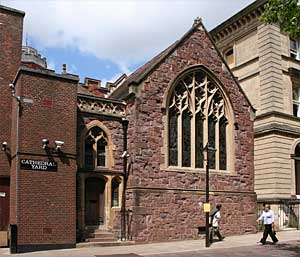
94, 201
297, 169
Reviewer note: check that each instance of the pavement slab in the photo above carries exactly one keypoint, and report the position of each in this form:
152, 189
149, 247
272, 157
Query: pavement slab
232, 246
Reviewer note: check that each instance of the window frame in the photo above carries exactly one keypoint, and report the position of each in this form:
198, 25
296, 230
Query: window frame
295, 53
109, 148
118, 181
101, 136
230, 149
296, 102
226, 56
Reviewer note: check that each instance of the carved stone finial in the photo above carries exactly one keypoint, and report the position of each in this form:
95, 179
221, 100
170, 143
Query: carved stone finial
197, 21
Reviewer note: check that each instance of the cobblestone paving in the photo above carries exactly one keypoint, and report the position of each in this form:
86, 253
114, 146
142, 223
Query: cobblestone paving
287, 249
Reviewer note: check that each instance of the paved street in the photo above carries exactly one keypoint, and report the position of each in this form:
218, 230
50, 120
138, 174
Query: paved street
287, 249
234, 246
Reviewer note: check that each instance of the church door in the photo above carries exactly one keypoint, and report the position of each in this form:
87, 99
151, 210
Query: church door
94, 201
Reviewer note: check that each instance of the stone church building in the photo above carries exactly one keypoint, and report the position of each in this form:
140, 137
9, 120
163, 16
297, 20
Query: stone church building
67, 146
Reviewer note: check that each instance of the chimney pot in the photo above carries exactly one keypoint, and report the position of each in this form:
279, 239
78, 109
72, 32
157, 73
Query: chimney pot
64, 68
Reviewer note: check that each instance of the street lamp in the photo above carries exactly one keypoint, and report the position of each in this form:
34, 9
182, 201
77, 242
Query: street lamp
124, 156
207, 149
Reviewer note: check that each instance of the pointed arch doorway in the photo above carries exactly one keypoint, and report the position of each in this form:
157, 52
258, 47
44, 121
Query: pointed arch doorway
94, 201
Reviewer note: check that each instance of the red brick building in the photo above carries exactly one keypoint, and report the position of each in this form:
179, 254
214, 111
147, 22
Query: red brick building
65, 154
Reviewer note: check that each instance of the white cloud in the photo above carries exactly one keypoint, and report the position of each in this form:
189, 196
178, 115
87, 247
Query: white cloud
124, 32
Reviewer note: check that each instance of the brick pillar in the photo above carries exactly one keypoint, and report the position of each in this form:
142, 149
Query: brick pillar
44, 179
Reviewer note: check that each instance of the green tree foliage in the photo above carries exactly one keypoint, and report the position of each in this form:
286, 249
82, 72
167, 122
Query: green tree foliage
286, 13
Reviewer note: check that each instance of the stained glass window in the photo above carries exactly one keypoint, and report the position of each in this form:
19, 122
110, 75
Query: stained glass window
196, 112
88, 152
186, 139
212, 142
95, 147
101, 144
199, 141
222, 143
173, 138
115, 192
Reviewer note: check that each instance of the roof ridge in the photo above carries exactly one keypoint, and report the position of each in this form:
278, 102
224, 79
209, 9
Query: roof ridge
139, 74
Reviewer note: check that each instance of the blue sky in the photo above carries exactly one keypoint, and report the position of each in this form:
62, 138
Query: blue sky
103, 39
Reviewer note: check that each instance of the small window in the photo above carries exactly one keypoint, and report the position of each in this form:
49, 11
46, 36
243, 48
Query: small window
296, 102
229, 57
294, 49
115, 192
95, 148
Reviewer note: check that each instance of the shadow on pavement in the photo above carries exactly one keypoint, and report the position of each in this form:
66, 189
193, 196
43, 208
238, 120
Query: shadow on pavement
289, 247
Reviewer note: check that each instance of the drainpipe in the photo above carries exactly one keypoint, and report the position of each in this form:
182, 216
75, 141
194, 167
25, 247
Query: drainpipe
124, 156
14, 228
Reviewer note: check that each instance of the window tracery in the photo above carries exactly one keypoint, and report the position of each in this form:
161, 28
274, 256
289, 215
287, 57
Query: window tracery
197, 115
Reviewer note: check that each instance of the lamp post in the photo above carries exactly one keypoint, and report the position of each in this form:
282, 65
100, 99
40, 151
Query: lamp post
207, 149
124, 155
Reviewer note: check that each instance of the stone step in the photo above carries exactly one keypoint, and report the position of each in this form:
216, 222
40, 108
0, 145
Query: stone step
101, 239
103, 244
104, 231
100, 234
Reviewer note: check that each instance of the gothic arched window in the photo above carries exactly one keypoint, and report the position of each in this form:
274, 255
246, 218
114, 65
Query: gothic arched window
95, 147
115, 184
197, 115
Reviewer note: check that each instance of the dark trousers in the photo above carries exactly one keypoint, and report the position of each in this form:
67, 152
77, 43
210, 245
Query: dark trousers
215, 231
268, 231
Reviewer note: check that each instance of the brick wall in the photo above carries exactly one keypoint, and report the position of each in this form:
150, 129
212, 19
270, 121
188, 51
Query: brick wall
45, 209
164, 202
11, 26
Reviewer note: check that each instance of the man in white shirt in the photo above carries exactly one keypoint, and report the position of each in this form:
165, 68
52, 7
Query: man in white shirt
268, 217
215, 230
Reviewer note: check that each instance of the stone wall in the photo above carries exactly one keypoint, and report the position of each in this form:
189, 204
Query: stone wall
164, 202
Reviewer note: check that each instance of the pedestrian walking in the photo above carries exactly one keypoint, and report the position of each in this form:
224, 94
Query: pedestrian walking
268, 217
215, 219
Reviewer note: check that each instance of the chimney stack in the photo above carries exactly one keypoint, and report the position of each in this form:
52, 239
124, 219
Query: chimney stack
64, 69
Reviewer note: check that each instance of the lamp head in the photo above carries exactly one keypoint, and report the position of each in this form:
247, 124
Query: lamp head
58, 144
45, 143
4, 146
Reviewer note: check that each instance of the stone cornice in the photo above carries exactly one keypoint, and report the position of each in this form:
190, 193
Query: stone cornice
277, 115
101, 106
276, 128
244, 21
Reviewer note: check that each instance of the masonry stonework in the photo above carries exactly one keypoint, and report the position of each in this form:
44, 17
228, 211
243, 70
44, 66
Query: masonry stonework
160, 197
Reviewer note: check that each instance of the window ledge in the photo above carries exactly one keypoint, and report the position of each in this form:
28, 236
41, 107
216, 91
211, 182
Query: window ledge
197, 170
